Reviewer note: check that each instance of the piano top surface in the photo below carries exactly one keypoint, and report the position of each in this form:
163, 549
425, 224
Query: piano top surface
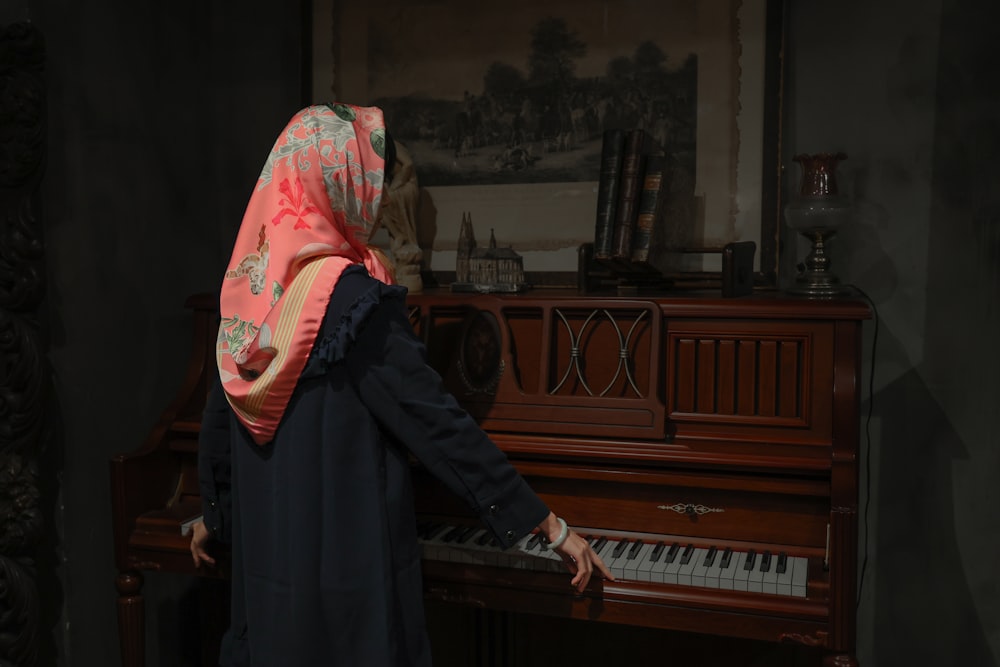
688, 303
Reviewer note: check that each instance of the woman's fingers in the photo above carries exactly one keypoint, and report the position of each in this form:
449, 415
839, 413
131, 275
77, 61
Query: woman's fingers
581, 561
200, 538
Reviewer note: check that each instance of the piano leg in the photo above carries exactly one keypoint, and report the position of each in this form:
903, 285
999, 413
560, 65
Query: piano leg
131, 619
841, 660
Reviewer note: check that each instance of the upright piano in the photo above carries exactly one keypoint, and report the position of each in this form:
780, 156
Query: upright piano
707, 447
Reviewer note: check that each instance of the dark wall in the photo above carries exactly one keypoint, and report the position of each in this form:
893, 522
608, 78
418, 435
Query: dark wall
160, 117
912, 98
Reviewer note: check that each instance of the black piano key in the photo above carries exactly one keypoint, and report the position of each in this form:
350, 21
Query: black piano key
727, 557
600, 544
751, 558
710, 557
782, 564
634, 551
620, 549
765, 561
672, 552
533, 542
657, 551
484, 539
686, 556
465, 534
452, 534
435, 530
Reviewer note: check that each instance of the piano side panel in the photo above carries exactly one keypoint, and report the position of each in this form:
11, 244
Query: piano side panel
844, 486
139, 484
154, 487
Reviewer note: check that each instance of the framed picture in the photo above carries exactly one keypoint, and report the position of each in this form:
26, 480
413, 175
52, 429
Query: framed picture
503, 107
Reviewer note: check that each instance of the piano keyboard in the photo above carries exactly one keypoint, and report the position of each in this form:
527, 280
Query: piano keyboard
661, 561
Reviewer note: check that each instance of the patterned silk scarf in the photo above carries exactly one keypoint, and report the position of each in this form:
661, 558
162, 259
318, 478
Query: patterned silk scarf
309, 218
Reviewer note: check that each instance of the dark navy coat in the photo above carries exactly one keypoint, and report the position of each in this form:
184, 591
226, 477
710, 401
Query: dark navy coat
326, 565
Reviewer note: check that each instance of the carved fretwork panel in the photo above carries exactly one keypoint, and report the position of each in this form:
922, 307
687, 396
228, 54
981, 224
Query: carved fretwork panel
579, 367
601, 352
750, 378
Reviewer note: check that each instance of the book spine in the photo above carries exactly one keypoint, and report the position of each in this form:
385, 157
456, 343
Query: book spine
648, 211
628, 193
612, 152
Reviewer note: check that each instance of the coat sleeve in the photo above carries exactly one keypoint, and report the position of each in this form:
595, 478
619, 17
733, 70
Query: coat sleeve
388, 365
215, 464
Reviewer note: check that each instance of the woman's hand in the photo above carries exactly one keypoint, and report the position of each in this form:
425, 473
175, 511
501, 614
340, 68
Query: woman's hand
200, 537
575, 551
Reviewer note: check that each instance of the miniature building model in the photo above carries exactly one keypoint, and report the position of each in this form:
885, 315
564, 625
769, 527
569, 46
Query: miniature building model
489, 269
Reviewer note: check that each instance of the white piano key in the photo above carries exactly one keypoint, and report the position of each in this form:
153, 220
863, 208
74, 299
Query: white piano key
741, 574
727, 574
491, 553
714, 571
519, 555
508, 557
617, 562
453, 549
684, 573
770, 582
462, 548
755, 577
498, 556
632, 564
438, 544
645, 570
800, 576
547, 560
556, 563
783, 585
604, 551
698, 573
433, 547
659, 572
478, 552
670, 573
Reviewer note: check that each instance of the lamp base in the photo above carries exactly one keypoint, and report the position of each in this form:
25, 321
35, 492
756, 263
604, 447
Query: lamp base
818, 285
816, 280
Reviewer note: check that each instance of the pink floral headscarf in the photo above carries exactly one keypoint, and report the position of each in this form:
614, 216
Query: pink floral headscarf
308, 219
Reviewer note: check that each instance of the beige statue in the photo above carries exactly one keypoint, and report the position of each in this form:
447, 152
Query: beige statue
399, 216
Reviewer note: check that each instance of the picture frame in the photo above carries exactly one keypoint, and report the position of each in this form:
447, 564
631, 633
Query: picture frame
417, 57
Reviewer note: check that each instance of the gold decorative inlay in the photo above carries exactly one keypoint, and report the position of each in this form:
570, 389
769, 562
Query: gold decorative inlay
690, 509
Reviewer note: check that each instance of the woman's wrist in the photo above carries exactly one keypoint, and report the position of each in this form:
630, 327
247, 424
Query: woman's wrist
555, 530
550, 527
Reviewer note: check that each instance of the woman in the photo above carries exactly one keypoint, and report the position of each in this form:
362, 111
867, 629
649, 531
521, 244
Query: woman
324, 392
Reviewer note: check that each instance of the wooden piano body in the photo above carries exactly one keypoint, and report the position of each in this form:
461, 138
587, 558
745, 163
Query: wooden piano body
154, 489
683, 419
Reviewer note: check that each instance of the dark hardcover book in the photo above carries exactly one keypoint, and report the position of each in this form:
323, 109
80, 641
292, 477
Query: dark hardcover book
737, 268
650, 207
612, 152
628, 194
